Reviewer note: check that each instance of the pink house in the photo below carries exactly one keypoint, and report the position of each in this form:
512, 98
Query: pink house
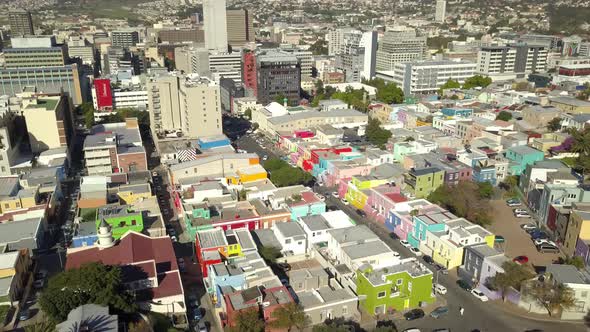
382, 199
345, 169
343, 187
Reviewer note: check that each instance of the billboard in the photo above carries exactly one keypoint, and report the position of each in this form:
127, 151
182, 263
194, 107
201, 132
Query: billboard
104, 94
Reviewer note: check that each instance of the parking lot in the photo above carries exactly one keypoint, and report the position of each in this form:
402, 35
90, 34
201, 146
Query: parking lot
518, 242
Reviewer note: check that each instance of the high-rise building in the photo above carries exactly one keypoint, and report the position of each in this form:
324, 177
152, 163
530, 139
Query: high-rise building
423, 77
249, 74
21, 23
351, 64
511, 61
124, 38
49, 121
212, 64
400, 46
215, 22
190, 105
177, 36
305, 59
369, 43
34, 57
339, 39
47, 79
441, 11
240, 26
278, 74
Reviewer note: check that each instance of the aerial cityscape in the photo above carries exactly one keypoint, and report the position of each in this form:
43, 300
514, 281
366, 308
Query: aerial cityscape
295, 165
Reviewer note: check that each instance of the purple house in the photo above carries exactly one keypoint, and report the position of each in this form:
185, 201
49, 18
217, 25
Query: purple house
383, 199
400, 220
480, 263
583, 250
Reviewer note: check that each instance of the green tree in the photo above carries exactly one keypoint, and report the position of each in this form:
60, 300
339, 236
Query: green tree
477, 81
289, 176
91, 283
270, 254
390, 94
273, 164
552, 296
464, 200
248, 113
450, 84
87, 110
485, 190
554, 125
320, 47
44, 326
248, 320
281, 99
504, 116
375, 134
290, 316
513, 276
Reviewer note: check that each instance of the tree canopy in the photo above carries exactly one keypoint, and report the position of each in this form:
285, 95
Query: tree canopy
504, 116
283, 175
388, 93
289, 316
513, 276
552, 296
450, 84
248, 320
91, 283
554, 125
477, 81
270, 254
320, 47
375, 134
467, 199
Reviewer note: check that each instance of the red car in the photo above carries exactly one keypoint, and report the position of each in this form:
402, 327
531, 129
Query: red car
521, 260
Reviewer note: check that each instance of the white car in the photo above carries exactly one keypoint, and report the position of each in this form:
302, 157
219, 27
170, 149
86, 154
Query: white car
521, 211
335, 194
481, 296
440, 289
405, 243
395, 254
415, 251
322, 197
539, 242
522, 215
526, 227
345, 202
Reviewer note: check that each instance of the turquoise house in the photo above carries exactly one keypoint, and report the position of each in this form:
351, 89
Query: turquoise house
308, 205
224, 275
401, 149
433, 221
458, 112
521, 156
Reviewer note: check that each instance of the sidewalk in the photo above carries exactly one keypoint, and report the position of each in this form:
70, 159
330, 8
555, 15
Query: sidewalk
514, 310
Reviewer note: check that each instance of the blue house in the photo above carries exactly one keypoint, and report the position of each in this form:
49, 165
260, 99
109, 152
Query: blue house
211, 142
85, 235
522, 156
458, 112
223, 276
431, 221
484, 171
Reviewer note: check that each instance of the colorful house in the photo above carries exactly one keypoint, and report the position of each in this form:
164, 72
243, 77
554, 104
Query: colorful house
457, 112
446, 247
204, 216
423, 181
308, 205
263, 300
394, 288
401, 149
432, 221
121, 218
247, 174
358, 189
383, 199
522, 156
208, 244
400, 218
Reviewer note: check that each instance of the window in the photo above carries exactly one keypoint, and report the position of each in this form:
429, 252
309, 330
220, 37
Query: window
122, 224
6, 206
133, 222
344, 310
380, 295
299, 242
287, 241
409, 286
313, 234
399, 282
17, 204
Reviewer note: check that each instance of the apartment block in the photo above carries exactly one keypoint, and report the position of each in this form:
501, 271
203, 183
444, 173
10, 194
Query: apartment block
278, 75
49, 122
21, 23
399, 46
124, 38
511, 61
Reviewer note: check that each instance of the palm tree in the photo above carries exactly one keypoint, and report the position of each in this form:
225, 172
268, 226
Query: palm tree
45, 326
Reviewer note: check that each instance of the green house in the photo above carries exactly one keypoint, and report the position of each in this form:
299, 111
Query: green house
394, 288
121, 218
197, 217
422, 181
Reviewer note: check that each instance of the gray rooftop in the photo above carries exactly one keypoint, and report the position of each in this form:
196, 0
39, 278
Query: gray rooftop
523, 149
366, 249
212, 238
411, 266
8, 186
16, 231
290, 229
314, 114
568, 274
570, 101
324, 295
115, 211
266, 238
316, 223
352, 234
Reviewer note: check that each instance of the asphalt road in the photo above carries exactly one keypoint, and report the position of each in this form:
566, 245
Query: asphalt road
249, 144
484, 316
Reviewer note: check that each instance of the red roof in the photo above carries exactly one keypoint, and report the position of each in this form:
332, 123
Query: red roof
397, 198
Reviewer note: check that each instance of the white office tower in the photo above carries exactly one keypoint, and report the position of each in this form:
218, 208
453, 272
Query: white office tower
215, 23
400, 45
441, 11
369, 43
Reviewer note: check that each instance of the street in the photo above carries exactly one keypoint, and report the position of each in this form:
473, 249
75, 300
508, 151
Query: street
483, 316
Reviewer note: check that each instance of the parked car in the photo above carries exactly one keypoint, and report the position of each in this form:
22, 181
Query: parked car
513, 202
265, 157
322, 198
464, 284
414, 314
345, 202
193, 301
428, 259
395, 254
499, 239
520, 211
361, 213
539, 242
533, 230
539, 235
41, 274
441, 268
439, 312
335, 194
405, 243
440, 289
39, 283
197, 315
415, 251
521, 260
480, 295
548, 248
522, 215
413, 329
528, 226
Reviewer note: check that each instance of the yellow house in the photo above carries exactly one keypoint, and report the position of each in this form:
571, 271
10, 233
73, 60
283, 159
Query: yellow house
357, 191
446, 248
247, 174
131, 194
233, 248
23, 199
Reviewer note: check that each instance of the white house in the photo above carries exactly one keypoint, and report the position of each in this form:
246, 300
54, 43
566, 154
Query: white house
292, 238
